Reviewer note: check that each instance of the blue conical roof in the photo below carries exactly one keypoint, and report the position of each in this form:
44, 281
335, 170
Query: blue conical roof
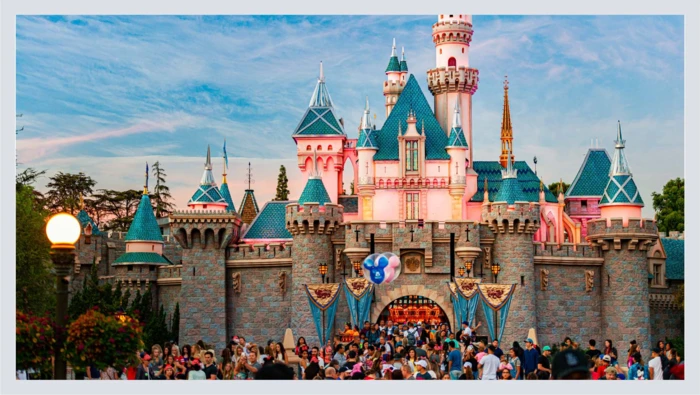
314, 192
207, 192
144, 227
510, 192
226, 194
621, 188
84, 219
319, 119
457, 138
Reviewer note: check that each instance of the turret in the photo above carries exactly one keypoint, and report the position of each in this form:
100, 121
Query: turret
223, 189
395, 79
207, 196
506, 129
623, 238
366, 148
457, 149
514, 220
312, 221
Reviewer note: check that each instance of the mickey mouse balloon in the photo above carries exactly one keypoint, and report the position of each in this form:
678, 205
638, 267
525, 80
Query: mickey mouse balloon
382, 268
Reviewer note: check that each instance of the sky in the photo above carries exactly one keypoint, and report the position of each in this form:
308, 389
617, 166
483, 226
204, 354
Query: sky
106, 94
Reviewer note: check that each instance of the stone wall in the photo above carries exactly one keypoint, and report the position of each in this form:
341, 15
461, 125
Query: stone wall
565, 308
260, 311
667, 319
169, 296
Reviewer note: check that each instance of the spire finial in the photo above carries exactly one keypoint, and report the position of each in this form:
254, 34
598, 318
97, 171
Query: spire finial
457, 119
403, 56
225, 157
366, 122
145, 184
541, 185
393, 48
366, 103
207, 165
315, 173
561, 187
422, 127
320, 75
619, 162
505, 83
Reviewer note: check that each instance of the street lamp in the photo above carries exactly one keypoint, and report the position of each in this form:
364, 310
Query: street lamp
468, 266
461, 272
63, 230
357, 265
323, 269
495, 269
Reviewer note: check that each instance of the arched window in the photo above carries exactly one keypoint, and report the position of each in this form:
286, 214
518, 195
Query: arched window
308, 148
462, 50
442, 16
411, 156
452, 62
330, 148
319, 148
440, 51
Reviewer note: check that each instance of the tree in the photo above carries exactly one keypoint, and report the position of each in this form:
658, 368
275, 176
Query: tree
282, 181
161, 193
94, 295
554, 188
156, 330
670, 206
35, 288
65, 190
119, 206
175, 324
352, 187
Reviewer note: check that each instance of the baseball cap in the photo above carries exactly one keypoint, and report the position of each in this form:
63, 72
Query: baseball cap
467, 364
656, 350
422, 363
146, 357
569, 361
528, 340
546, 348
606, 358
168, 367
465, 323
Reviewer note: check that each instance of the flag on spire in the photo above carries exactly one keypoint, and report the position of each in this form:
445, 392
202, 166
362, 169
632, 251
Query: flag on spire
145, 185
225, 155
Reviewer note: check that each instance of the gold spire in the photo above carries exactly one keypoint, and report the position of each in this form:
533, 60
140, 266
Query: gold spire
145, 184
223, 181
506, 129
541, 185
561, 188
486, 190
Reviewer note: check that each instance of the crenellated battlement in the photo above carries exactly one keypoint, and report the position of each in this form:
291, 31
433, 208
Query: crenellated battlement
452, 31
522, 217
637, 233
260, 251
453, 79
184, 216
311, 218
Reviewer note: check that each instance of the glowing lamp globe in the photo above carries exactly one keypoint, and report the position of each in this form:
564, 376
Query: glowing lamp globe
63, 230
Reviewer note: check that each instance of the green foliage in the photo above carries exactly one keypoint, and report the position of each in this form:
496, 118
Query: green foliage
554, 188
95, 296
65, 190
175, 324
679, 344
162, 199
156, 330
670, 206
679, 296
35, 341
35, 288
118, 206
282, 189
100, 340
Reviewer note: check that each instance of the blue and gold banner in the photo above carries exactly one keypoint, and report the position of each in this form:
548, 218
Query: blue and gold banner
496, 298
468, 292
358, 292
323, 301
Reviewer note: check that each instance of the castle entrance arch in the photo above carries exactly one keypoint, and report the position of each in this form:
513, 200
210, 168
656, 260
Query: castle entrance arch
413, 303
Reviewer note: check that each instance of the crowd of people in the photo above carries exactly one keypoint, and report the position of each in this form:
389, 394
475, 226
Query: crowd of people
386, 351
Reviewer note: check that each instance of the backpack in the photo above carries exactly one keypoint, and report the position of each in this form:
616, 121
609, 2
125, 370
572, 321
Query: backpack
640, 373
411, 336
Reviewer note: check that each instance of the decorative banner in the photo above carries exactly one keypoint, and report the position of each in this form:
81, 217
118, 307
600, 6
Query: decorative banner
358, 292
382, 268
323, 301
456, 304
467, 289
496, 297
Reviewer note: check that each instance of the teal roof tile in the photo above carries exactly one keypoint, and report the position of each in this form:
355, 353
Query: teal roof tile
314, 192
393, 65
457, 138
675, 258
349, 204
318, 121
84, 219
411, 98
621, 189
403, 66
510, 192
367, 139
226, 194
144, 227
270, 223
529, 182
592, 177
207, 194
142, 257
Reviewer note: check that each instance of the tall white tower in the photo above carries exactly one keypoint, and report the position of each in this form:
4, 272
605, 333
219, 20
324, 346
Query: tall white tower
452, 79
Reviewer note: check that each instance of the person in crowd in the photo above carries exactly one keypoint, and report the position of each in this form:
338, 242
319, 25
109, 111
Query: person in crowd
196, 372
274, 371
92, 373
489, 364
340, 354
605, 362
312, 369
301, 346
210, 369
454, 360
498, 353
544, 370
330, 374
610, 351
637, 371
168, 373
530, 358
531, 376
514, 362
226, 371
570, 365
145, 371
468, 372
592, 350
630, 352
656, 370
175, 350
303, 363
407, 373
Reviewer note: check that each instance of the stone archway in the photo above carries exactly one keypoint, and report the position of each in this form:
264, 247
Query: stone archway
439, 297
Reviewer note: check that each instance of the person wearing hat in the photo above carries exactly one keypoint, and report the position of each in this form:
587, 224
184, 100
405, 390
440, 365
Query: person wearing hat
605, 361
656, 371
145, 371
423, 372
530, 357
344, 373
570, 365
168, 373
544, 371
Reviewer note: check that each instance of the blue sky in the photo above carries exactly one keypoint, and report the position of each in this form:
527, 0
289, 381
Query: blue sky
104, 94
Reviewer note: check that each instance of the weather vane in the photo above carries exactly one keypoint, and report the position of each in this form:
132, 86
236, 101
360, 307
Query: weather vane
249, 176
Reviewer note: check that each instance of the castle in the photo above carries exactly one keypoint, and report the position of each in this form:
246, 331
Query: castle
585, 263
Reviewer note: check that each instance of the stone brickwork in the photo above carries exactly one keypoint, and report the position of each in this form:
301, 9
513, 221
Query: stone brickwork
169, 296
565, 308
311, 227
625, 279
667, 318
260, 311
512, 250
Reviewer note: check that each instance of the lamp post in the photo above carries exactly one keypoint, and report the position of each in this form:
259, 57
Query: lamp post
495, 269
63, 230
468, 266
323, 269
357, 265
461, 271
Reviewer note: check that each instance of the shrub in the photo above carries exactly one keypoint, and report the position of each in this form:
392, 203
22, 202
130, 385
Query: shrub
35, 342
